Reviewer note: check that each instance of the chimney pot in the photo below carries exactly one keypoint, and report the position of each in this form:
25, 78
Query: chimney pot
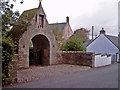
102, 31
102, 28
67, 19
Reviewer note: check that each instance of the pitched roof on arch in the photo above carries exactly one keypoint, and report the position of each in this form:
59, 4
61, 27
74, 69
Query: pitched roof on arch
21, 26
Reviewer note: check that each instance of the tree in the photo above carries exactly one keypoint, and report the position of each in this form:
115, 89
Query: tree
73, 44
9, 19
82, 33
58, 35
8, 51
57, 32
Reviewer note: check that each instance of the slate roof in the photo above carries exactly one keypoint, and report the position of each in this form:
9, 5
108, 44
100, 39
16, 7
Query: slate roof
62, 25
113, 39
88, 43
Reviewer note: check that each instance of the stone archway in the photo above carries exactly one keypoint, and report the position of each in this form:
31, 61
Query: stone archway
40, 33
40, 55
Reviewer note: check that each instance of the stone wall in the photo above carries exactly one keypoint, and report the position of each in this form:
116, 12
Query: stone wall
76, 58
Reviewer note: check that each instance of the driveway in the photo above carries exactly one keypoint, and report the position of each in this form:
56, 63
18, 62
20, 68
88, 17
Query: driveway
35, 73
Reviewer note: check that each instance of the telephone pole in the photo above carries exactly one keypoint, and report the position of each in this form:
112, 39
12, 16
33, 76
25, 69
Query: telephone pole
92, 32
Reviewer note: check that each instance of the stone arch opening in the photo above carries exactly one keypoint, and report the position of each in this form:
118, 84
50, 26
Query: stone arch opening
39, 52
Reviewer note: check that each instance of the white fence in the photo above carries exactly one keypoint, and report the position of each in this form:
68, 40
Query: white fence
117, 57
102, 60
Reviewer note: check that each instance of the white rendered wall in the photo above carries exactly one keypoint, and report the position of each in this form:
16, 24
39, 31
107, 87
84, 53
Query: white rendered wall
102, 60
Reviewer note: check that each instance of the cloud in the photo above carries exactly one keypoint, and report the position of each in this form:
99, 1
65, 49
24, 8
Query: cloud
82, 13
105, 16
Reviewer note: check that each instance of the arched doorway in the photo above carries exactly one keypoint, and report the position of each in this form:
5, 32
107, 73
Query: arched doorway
39, 51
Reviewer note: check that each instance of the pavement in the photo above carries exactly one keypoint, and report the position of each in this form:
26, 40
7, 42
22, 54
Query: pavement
104, 77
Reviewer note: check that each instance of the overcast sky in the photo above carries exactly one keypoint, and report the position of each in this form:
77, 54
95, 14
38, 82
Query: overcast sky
82, 13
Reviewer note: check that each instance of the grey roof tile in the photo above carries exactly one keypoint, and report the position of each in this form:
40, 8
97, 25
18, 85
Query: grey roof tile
62, 25
88, 43
113, 39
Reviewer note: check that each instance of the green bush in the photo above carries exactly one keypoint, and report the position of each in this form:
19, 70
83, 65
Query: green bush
8, 49
73, 44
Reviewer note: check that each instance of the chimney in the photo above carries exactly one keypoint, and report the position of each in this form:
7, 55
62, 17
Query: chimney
67, 18
102, 31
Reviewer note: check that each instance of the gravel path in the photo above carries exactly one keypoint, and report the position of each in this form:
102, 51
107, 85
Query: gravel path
35, 73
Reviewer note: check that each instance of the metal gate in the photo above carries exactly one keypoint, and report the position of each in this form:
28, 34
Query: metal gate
35, 58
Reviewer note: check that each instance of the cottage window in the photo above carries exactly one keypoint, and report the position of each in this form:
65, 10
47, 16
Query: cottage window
68, 34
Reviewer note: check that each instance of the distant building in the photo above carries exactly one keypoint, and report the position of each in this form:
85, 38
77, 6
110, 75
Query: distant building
65, 27
104, 44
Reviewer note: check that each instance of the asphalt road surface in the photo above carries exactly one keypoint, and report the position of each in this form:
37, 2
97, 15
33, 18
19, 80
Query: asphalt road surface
104, 77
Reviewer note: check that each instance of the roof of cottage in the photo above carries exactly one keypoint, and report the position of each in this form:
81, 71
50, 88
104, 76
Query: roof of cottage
113, 39
87, 43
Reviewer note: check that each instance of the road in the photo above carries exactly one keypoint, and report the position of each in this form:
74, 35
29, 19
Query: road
104, 77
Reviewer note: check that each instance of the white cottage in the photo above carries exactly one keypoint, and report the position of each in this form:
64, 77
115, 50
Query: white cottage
104, 44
